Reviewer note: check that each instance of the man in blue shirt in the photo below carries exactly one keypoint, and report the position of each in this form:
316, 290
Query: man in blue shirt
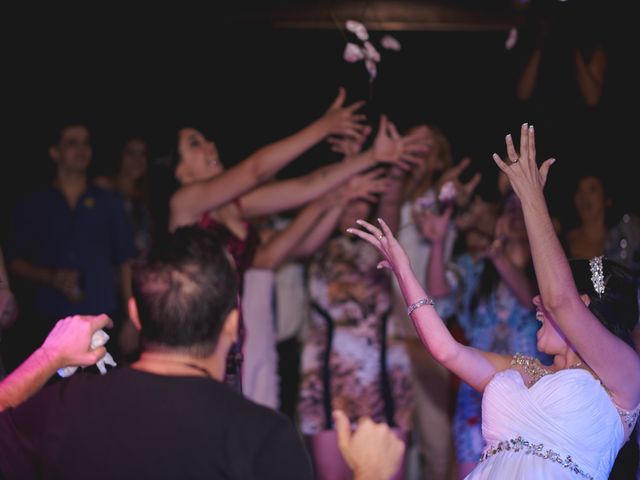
71, 241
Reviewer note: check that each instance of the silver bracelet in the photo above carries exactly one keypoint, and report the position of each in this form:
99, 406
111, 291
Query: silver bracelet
420, 303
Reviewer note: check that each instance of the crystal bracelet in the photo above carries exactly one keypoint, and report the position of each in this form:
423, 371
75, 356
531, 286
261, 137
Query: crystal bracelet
420, 303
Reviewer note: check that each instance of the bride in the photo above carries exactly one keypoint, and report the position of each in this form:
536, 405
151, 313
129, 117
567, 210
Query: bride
567, 420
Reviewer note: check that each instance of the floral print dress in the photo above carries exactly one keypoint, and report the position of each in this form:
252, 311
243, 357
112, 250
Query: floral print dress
349, 360
498, 323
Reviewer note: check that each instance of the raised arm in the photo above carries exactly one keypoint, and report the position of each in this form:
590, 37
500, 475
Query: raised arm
365, 186
287, 194
590, 76
615, 363
472, 366
278, 248
406, 148
513, 275
528, 79
510, 254
191, 201
434, 228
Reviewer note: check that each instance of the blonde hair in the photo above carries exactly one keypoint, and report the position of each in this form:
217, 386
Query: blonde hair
444, 159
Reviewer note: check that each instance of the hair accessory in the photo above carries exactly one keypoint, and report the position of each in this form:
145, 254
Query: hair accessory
420, 303
597, 274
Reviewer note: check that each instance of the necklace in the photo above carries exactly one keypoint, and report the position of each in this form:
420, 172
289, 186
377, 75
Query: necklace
206, 372
198, 367
534, 368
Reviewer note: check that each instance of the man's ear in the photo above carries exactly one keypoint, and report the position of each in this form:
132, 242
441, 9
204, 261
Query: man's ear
231, 323
133, 313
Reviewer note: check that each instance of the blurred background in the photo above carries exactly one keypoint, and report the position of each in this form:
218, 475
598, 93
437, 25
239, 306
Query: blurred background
256, 71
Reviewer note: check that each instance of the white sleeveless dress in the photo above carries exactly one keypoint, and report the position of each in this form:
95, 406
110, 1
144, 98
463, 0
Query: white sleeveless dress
565, 426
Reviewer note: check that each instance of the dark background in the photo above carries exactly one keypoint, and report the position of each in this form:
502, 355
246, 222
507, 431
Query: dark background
253, 79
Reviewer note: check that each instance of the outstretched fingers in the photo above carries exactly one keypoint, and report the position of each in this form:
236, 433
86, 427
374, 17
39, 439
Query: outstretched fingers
531, 136
471, 185
511, 149
371, 228
385, 228
393, 131
524, 142
365, 236
455, 172
339, 101
500, 163
343, 428
544, 169
356, 106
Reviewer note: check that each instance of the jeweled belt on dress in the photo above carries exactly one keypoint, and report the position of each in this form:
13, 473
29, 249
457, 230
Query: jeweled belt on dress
518, 444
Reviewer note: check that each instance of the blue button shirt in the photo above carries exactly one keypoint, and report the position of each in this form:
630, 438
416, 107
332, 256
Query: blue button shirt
95, 239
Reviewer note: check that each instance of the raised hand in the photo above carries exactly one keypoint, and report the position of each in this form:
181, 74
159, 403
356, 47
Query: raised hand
382, 238
390, 147
479, 215
464, 191
433, 226
349, 146
522, 171
344, 121
366, 186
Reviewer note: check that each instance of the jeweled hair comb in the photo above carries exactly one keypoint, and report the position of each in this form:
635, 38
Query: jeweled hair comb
597, 274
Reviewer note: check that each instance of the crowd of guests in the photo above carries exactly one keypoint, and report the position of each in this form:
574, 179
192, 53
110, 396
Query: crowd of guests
254, 326
72, 246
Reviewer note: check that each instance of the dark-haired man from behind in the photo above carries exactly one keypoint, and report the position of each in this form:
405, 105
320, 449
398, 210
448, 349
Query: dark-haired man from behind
168, 415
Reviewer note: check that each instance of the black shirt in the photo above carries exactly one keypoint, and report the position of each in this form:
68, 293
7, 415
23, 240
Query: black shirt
133, 424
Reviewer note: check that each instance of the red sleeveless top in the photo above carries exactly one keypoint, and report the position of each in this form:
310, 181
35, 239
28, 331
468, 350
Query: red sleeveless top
242, 251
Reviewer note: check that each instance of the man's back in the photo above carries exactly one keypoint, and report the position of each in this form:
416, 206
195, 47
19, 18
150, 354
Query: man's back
133, 424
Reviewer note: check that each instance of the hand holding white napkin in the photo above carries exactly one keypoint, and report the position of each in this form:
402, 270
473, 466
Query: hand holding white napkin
98, 339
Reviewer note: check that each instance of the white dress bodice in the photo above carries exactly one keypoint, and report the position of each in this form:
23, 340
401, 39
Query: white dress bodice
565, 426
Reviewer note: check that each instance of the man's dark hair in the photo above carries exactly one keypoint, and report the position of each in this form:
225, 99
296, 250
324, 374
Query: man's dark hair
184, 290
55, 134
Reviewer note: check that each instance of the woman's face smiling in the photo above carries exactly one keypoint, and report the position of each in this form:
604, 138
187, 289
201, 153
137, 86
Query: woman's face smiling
551, 340
199, 159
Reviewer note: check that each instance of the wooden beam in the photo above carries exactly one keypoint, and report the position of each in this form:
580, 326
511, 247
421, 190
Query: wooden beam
389, 15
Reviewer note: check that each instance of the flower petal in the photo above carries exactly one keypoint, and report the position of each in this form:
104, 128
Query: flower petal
358, 28
390, 43
353, 53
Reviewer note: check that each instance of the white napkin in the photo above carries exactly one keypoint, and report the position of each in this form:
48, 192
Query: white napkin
98, 339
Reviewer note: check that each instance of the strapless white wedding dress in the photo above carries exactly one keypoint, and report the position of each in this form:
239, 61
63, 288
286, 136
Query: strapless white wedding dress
565, 426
